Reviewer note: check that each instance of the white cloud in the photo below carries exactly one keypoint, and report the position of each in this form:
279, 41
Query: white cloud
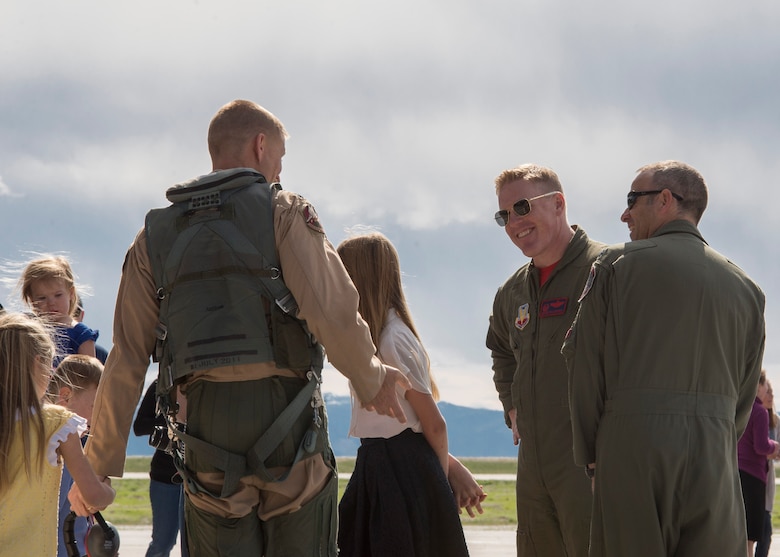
5, 190
401, 115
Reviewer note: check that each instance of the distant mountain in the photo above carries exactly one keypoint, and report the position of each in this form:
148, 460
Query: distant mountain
472, 431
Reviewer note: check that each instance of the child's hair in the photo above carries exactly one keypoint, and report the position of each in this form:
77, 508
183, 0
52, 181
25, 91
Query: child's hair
372, 262
49, 268
77, 371
26, 349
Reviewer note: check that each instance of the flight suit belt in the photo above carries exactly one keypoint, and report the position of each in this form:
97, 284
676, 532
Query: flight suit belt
672, 403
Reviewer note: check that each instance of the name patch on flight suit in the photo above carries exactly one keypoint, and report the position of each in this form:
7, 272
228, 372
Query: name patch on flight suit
523, 316
553, 307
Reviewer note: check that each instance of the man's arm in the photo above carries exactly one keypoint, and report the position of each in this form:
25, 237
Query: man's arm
504, 363
583, 350
121, 385
752, 370
328, 301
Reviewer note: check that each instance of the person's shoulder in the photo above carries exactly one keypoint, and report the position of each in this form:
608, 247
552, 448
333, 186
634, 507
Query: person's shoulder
56, 414
582, 249
731, 271
81, 331
290, 208
518, 277
286, 200
79, 327
613, 253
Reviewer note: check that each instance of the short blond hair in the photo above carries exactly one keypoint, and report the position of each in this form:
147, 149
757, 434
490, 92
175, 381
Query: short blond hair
77, 371
238, 122
530, 173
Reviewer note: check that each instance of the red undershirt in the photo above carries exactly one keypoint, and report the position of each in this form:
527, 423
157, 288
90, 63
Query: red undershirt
545, 272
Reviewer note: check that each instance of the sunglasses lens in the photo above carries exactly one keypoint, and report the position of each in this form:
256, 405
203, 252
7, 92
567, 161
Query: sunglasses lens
522, 207
630, 200
502, 218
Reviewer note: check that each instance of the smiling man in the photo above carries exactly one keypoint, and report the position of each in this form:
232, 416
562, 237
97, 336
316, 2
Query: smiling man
531, 313
664, 358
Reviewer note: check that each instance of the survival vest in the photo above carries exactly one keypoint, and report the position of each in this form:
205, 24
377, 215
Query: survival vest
223, 301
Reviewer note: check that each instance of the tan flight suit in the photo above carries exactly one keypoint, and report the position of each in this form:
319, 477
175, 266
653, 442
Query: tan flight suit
664, 359
327, 301
527, 328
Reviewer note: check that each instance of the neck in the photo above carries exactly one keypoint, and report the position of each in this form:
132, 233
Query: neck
557, 248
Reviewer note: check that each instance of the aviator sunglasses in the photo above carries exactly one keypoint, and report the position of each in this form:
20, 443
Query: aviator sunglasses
521, 208
634, 195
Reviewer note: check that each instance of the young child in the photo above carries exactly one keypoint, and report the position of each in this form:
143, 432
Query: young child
398, 500
74, 386
34, 440
48, 286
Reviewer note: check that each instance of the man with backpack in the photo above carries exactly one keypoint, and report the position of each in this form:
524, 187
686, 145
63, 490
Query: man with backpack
234, 289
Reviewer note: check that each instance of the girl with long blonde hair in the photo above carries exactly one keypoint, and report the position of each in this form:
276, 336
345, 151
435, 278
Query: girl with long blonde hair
398, 500
35, 439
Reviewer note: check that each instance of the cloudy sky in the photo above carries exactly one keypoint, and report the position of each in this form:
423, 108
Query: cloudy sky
401, 114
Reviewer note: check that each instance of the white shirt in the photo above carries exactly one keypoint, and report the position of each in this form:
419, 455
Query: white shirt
398, 347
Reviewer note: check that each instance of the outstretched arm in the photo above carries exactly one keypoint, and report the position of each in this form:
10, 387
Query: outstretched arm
386, 400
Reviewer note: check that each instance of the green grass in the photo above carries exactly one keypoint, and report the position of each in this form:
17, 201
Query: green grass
132, 496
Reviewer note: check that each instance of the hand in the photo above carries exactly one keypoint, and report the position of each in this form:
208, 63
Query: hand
468, 493
386, 400
79, 505
513, 420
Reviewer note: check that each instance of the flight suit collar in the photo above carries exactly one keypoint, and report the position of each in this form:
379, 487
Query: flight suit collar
680, 226
577, 243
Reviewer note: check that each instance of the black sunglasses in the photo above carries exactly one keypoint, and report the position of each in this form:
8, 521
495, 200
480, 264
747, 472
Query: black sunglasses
521, 208
634, 195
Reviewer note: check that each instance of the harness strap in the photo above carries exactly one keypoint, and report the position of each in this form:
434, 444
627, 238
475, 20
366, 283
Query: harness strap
275, 434
236, 466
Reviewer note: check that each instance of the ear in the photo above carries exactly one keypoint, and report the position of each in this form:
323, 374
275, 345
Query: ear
63, 396
560, 202
668, 201
258, 147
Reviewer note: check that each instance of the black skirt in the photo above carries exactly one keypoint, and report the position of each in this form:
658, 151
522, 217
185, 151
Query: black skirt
398, 503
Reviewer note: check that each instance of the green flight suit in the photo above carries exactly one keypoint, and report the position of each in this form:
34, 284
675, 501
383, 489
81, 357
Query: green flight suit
526, 331
664, 359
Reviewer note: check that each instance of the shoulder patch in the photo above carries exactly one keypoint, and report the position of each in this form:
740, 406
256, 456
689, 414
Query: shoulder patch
312, 220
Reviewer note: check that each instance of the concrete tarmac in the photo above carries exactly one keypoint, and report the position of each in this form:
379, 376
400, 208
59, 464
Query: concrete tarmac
483, 541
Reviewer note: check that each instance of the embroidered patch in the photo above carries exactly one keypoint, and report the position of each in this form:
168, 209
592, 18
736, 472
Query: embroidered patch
553, 307
588, 283
312, 220
523, 316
